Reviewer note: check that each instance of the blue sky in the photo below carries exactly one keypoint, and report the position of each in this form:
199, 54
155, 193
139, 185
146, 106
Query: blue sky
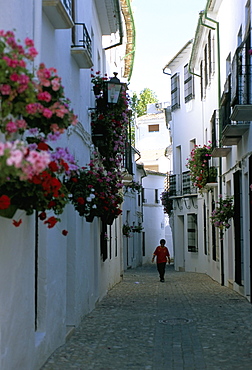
163, 27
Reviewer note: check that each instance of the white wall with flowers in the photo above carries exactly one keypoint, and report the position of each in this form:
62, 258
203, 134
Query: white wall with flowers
51, 277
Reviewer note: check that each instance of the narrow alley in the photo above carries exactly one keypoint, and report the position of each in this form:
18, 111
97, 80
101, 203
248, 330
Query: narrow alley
188, 322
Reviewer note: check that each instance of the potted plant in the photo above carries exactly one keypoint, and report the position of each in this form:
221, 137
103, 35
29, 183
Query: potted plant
167, 202
18, 164
96, 191
16, 82
198, 165
212, 175
126, 230
42, 190
137, 228
134, 186
223, 212
98, 82
50, 113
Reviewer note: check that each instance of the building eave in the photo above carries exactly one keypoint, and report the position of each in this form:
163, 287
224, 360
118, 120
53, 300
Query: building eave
175, 60
131, 36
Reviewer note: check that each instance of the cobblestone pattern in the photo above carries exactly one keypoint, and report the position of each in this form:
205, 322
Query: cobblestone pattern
189, 322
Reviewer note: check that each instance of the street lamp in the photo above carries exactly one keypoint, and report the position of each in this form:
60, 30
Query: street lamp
113, 89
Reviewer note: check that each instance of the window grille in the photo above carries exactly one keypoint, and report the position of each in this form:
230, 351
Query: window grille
175, 92
188, 84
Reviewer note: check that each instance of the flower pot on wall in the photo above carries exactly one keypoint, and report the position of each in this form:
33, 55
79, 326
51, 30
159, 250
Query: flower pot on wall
97, 89
8, 212
110, 219
90, 217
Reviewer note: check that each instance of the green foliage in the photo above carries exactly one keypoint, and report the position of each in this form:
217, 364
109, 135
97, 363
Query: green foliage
223, 213
167, 202
198, 165
139, 105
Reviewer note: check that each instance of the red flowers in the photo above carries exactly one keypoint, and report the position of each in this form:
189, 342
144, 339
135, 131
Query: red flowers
17, 223
50, 184
81, 200
43, 146
4, 202
51, 221
42, 216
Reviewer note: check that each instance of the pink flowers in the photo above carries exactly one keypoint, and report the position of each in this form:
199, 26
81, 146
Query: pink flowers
5, 89
44, 96
47, 113
17, 160
42, 105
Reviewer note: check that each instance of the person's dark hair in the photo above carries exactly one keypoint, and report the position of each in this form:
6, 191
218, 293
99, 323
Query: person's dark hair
162, 241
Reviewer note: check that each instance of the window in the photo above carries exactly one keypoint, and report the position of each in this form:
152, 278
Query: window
210, 54
143, 200
228, 65
247, 16
205, 67
205, 227
192, 232
214, 245
103, 241
188, 84
202, 90
153, 128
143, 243
175, 99
156, 196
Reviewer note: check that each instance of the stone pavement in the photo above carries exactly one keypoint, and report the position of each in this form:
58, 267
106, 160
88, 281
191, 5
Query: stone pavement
189, 322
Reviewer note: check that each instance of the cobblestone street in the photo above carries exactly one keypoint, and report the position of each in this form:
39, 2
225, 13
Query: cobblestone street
189, 322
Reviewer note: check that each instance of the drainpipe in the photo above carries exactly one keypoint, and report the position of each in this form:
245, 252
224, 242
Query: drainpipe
220, 131
200, 23
120, 27
166, 73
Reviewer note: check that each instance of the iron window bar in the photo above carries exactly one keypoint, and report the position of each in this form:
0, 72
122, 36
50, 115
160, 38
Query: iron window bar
68, 6
241, 75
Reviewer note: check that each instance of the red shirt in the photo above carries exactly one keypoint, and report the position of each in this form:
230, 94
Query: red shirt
161, 253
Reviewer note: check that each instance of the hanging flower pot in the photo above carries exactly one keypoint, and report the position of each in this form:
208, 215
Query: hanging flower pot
110, 219
97, 89
9, 212
212, 175
90, 217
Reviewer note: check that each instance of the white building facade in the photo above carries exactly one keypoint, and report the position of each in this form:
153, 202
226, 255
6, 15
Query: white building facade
211, 102
48, 281
152, 140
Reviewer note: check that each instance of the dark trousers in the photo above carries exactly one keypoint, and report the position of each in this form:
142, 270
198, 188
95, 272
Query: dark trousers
161, 269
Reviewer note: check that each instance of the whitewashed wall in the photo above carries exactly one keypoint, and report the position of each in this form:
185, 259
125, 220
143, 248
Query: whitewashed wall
193, 120
71, 273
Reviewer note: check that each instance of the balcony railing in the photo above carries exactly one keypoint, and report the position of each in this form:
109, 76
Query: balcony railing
127, 158
241, 91
68, 6
181, 184
81, 46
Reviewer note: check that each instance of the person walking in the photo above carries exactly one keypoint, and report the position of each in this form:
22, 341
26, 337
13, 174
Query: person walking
163, 256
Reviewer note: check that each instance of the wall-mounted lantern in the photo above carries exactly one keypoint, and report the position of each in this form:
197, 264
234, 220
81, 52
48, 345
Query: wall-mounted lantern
114, 87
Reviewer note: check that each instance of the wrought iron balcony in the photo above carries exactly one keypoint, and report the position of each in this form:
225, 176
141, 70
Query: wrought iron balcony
127, 158
218, 149
241, 91
59, 12
181, 185
237, 94
81, 48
